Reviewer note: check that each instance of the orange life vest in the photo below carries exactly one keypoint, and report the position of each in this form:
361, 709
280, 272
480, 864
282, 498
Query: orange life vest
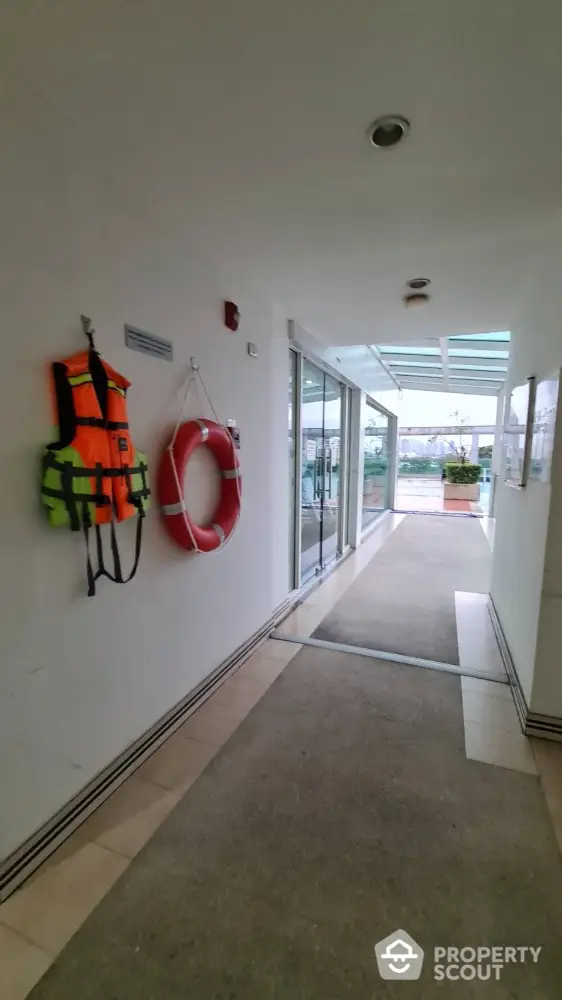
93, 474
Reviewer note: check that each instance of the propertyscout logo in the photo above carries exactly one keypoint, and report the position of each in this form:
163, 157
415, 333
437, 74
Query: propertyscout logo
400, 957
483, 962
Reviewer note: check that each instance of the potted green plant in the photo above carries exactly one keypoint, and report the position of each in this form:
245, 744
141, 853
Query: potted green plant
461, 478
462, 481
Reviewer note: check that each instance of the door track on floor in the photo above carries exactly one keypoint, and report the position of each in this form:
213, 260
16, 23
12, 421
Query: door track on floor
379, 654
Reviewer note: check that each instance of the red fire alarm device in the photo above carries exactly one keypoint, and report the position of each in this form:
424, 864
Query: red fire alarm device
231, 316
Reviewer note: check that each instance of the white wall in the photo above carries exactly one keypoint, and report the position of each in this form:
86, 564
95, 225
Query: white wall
547, 687
80, 678
529, 523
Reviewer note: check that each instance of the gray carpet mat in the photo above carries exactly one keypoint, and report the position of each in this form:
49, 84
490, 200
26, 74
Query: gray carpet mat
404, 600
342, 809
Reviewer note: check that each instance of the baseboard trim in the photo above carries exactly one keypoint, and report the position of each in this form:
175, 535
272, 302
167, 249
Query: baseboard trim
517, 690
37, 848
544, 727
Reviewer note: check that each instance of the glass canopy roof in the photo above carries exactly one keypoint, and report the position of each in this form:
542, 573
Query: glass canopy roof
471, 353
502, 337
482, 368
399, 349
466, 362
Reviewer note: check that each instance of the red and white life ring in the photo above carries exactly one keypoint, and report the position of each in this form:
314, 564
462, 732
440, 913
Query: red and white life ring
178, 523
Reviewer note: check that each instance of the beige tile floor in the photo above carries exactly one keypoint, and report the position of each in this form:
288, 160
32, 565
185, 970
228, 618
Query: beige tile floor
491, 725
39, 919
476, 638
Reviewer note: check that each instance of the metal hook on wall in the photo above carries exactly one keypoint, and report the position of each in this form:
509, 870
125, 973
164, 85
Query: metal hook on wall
88, 330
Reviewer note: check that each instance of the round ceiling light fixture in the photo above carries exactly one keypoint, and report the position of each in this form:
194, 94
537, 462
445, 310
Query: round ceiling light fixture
415, 299
388, 130
418, 283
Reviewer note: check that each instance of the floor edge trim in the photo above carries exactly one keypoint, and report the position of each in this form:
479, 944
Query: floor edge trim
546, 727
379, 654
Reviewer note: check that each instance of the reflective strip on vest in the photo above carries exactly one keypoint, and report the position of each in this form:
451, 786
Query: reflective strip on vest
80, 379
86, 377
113, 385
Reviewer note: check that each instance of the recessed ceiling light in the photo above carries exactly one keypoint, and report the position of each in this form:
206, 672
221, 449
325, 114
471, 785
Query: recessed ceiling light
388, 131
416, 299
418, 283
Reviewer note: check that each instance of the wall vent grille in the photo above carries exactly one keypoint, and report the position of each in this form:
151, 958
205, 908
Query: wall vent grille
147, 343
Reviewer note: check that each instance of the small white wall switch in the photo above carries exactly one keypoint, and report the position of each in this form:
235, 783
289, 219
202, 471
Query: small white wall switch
253, 351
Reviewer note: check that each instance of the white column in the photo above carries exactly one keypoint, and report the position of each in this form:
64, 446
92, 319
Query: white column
356, 463
393, 440
497, 451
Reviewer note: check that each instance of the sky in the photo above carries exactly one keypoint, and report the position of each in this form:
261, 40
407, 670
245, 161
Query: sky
419, 408
416, 408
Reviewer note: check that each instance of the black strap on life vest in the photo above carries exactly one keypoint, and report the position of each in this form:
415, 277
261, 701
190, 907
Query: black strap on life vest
117, 576
73, 500
99, 378
77, 472
106, 425
136, 499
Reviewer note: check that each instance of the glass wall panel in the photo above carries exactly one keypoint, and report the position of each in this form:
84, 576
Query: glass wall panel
293, 361
321, 423
331, 467
312, 476
376, 463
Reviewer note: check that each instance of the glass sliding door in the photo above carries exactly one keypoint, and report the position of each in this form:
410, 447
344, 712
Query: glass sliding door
331, 466
376, 463
293, 403
321, 418
345, 453
312, 440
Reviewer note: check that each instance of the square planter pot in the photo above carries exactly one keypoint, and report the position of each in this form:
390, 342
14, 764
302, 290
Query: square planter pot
461, 491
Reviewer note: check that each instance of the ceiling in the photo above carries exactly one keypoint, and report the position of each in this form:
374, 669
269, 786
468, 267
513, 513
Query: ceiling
240, 128
471, 364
